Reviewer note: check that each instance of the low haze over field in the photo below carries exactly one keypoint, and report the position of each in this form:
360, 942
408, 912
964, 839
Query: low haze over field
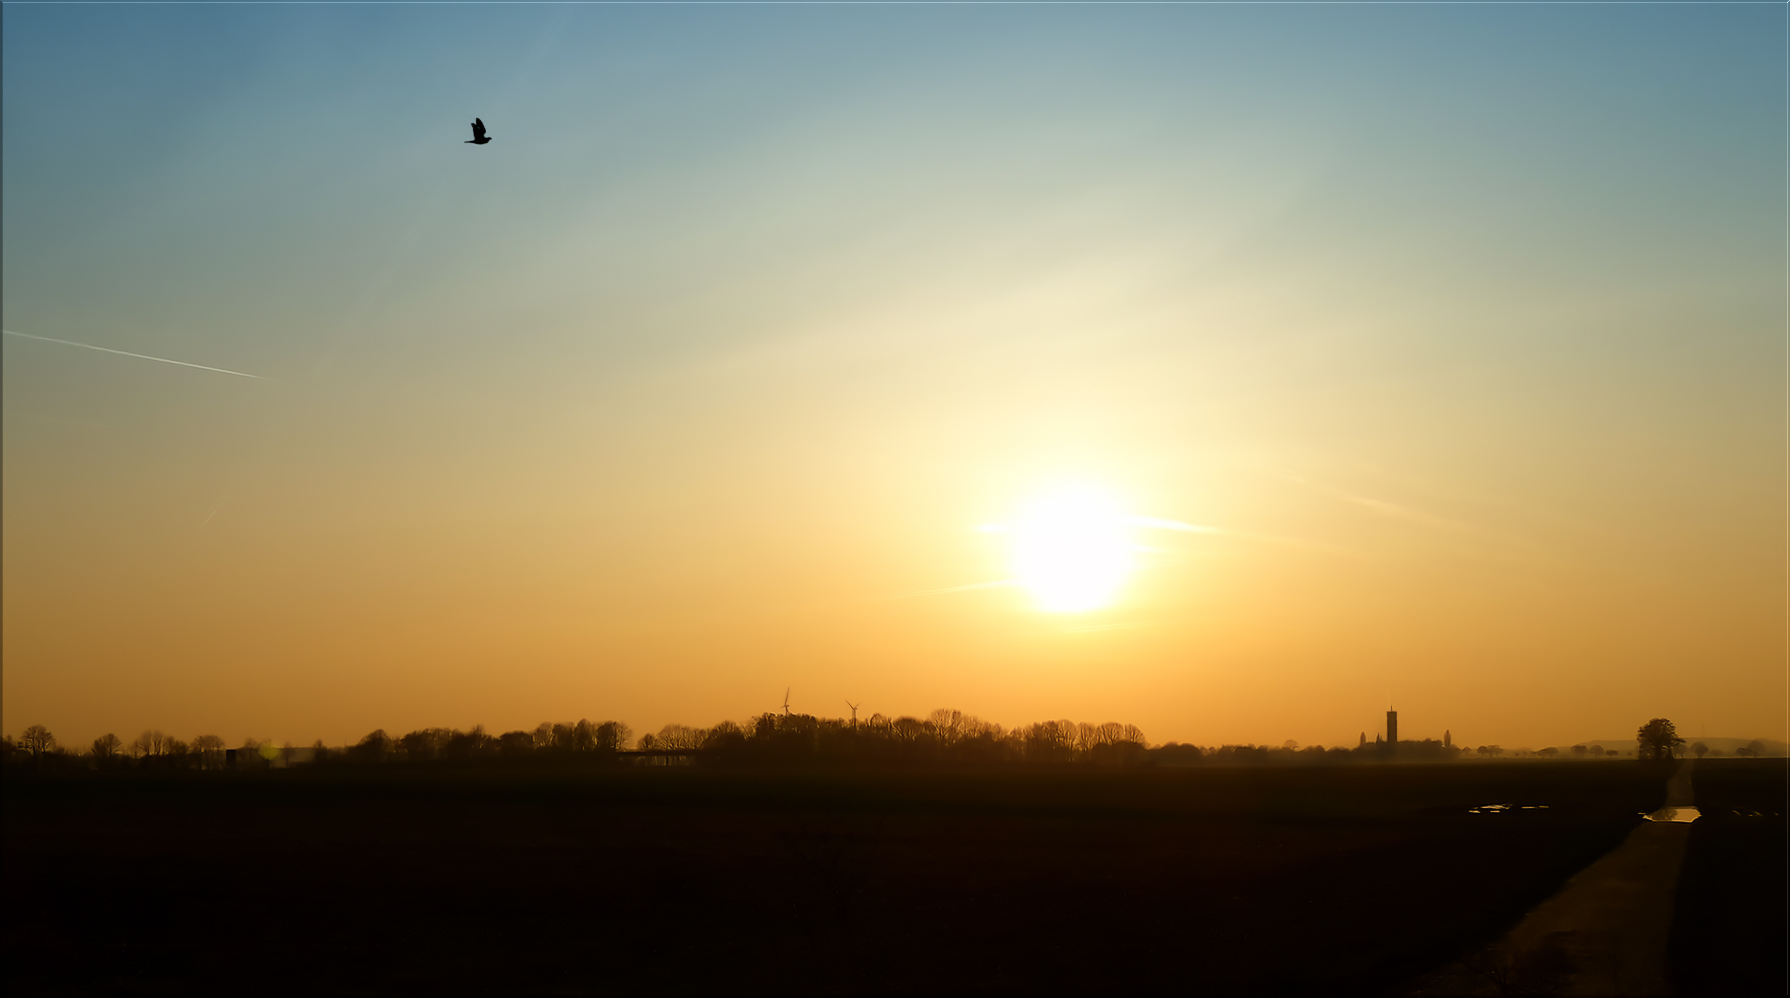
1223, 370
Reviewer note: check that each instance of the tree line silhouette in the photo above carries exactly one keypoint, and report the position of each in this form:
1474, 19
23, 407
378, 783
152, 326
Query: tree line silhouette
943, 738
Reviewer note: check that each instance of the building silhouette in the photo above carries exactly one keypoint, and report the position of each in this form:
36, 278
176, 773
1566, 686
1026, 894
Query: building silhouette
1392, 727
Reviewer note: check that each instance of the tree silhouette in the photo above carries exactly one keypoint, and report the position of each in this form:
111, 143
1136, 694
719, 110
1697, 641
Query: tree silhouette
373, 748
1657, 741
37, 740
210, 750
150, 743
1699, 749
943, 737
425, 744
106, 746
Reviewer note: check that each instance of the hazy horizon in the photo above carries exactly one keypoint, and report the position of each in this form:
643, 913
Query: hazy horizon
1290, 359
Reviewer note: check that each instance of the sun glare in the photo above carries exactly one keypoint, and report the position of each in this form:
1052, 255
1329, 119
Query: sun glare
1072, 550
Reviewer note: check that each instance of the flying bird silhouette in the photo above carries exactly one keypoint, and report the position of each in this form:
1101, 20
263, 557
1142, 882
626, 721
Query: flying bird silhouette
479, 137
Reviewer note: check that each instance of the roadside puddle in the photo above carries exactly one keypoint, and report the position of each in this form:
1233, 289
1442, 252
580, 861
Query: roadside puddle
1680, 814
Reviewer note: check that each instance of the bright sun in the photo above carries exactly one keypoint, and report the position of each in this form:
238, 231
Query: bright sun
1072, 550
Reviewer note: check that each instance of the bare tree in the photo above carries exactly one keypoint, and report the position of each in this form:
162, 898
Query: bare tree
208, 743
947, 726
909, 729
210, 749
612, 736
1050, 741
464, 745
37, 740
679, 737
106, 746
424, 744
1086, 737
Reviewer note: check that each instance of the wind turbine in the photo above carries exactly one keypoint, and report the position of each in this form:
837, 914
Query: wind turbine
854, 712
785, 701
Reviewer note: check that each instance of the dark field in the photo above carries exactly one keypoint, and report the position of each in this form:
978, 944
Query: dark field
1728, 935
1340, 879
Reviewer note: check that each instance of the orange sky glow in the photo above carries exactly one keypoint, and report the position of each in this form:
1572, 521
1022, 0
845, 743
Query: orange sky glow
1173, 367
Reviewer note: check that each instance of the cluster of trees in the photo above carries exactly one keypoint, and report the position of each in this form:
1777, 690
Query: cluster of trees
549, 741
1426, 750
157, 750
1751, 750
151, 749
945, 736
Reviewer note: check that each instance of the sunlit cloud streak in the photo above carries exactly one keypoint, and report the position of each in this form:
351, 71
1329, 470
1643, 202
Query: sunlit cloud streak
1399, 512
1195, 528
127, 353
1389, 509
1186, 528
1181, 526
1408, 514
997, 584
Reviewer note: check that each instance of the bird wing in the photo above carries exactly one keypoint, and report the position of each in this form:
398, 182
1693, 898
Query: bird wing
478, 128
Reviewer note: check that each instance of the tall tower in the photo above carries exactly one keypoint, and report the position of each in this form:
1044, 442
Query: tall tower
1392, 727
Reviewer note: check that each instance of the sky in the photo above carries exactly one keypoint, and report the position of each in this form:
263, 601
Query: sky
1326, 357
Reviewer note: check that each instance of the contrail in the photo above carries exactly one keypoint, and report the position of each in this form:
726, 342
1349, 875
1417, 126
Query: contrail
214, 510
127, 353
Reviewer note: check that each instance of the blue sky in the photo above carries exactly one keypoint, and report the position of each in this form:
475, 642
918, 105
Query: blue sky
747, 309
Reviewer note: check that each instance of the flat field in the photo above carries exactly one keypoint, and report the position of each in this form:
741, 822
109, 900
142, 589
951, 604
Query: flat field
1340, 879
1729, 932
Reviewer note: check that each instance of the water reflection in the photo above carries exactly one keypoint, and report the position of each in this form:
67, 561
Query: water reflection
1674, 814
1498, 808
